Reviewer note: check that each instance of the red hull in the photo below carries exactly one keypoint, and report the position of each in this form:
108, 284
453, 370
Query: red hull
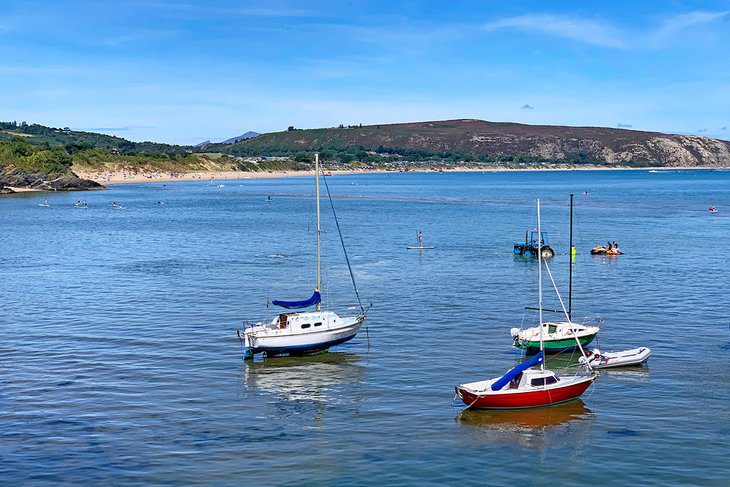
514, 400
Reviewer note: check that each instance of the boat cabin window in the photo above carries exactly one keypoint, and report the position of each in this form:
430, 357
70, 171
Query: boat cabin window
543, 381
319, 323
306, 325
282, 321
552, 328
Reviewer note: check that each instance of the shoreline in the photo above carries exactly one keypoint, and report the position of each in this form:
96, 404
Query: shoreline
120, 177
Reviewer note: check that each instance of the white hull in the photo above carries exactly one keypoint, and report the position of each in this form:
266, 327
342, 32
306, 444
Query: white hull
606, 360
302, 333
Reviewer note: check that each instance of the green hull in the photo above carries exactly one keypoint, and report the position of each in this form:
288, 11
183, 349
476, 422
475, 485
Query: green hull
554, 346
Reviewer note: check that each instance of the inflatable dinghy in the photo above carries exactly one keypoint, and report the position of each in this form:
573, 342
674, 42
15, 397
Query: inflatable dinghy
605, 360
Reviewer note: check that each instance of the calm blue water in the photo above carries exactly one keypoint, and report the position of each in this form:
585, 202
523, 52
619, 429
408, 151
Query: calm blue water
119, 362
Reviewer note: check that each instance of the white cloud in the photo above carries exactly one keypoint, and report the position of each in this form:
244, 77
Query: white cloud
574, 28
672, 26
606, 34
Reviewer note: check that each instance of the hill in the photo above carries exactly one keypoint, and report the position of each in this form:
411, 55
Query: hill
74, 140
248, 135
47, 158
478, 140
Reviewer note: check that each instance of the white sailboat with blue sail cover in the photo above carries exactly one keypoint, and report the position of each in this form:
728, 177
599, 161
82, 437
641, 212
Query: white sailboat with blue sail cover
304, 332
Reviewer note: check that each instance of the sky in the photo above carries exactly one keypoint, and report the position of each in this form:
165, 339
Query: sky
188, 71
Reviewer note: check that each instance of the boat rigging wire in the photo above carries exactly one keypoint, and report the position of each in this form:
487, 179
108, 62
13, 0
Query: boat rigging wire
342, 241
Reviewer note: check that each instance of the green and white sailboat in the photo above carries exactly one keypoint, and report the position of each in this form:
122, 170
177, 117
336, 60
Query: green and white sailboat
559, 336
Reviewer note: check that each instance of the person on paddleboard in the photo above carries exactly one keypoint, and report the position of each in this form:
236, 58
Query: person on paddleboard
420, 238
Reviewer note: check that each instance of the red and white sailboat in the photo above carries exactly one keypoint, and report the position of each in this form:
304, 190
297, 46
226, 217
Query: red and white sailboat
524, 386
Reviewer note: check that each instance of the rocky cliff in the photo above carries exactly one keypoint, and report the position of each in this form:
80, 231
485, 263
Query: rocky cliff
13, 177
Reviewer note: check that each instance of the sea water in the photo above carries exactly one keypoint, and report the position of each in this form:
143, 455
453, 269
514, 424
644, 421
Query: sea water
119, 361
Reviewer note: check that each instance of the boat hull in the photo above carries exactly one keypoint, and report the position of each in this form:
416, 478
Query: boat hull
302, 349
526, 399
554, 346
304, 343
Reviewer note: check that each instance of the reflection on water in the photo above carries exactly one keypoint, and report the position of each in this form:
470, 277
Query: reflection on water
318, 378
526, 419
564, 362
531, 428
635, 373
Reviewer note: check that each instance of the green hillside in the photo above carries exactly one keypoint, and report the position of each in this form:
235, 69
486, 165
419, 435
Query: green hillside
74, 141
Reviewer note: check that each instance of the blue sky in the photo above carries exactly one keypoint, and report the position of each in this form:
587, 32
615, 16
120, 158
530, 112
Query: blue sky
186, 71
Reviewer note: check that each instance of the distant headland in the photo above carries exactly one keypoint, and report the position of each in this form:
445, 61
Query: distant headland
37, 157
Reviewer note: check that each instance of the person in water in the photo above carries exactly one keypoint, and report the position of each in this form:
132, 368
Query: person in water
615, 246
609, 246
420, 238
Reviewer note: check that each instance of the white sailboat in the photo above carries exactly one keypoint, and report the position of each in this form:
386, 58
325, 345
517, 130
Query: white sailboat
299, 333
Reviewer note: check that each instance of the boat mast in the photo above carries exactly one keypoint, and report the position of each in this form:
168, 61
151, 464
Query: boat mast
319, 243
570, 263
539, 281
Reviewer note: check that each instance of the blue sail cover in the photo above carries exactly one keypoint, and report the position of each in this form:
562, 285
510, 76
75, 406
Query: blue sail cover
514, 372
316, 298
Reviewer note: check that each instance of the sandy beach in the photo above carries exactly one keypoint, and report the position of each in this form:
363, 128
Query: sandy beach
16, 189
121, 177
124, 177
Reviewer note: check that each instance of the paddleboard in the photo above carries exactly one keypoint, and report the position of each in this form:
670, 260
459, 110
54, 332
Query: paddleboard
41, 204
420, 248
